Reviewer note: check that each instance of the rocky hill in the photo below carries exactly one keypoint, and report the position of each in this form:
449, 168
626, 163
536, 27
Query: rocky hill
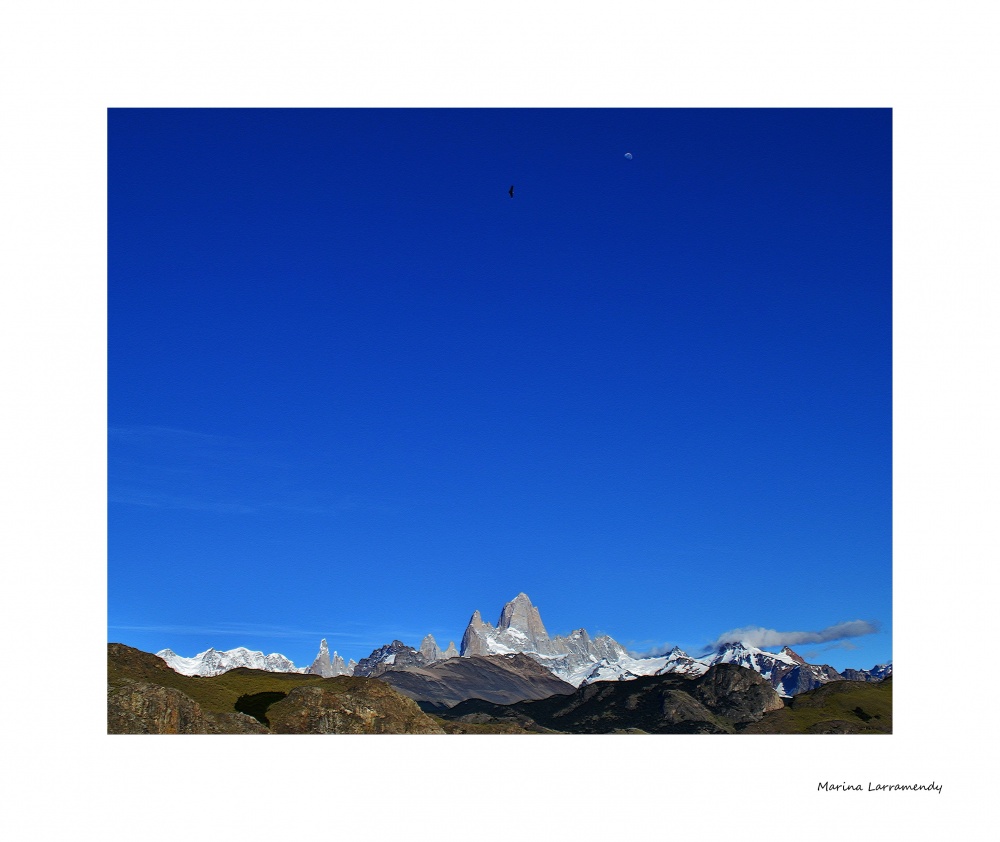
145, 696
717, 702
842, 707
726, 699
496, 678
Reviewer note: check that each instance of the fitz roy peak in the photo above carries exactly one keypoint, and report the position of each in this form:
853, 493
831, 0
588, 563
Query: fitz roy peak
580, 660
574, 658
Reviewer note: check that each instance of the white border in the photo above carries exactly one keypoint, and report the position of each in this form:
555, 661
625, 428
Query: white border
64, 63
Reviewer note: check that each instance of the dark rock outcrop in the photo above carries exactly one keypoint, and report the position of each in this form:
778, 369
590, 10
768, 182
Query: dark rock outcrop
879, 672
392, 656
805, 677
142, 708
145, 696
725, 697
739, 694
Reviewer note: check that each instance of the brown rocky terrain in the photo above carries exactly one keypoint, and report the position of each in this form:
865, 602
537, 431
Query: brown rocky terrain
145, 696
349, 706
502, 679
142, 708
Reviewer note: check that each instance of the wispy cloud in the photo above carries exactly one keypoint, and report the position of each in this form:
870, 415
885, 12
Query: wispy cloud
221, 505
358, 635
245, 629
764, 638
816, 654
647, 648
153, 431
166, 467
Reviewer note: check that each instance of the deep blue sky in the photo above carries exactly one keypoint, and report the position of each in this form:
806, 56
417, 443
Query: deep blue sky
356, 391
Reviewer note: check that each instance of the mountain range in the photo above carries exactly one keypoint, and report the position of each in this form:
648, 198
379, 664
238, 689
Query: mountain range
574, 660
145, 696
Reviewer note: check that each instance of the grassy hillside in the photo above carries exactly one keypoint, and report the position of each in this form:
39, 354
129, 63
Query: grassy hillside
841, 707
215, 693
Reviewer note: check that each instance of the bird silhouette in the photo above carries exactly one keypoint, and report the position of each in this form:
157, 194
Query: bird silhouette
511, 191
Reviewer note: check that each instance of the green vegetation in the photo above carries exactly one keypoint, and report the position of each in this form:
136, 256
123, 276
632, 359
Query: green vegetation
218, 693
840, 707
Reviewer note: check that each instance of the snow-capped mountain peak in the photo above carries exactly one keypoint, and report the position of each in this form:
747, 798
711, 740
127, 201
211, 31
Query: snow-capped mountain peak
213, 662
576, 658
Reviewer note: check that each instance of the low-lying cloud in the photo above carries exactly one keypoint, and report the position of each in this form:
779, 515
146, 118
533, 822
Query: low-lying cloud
763, 638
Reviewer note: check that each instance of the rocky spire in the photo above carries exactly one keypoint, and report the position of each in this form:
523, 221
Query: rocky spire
519, 629
474, 639
328, 667
451, 651
430, 650
519, 614
339, 667
322, 666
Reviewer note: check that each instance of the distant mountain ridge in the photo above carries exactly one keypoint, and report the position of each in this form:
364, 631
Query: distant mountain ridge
579, 660
576, 658
213, 662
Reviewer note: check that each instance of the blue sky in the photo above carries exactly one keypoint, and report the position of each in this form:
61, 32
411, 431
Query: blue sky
355, 391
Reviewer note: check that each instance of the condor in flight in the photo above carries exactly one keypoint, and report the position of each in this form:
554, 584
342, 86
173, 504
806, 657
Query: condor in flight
511, 191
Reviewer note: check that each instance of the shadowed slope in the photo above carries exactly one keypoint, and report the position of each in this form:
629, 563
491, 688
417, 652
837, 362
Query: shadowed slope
495, 678
145, 696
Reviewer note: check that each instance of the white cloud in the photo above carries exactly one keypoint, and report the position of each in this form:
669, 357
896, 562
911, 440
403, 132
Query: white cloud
764, 638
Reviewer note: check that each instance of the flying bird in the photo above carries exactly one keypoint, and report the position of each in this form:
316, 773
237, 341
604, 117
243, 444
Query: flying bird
511, 191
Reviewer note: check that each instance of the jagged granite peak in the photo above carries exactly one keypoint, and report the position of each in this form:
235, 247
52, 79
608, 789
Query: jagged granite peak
214, 662
393, 655
339, 667
520, 629
474, 640
519, 615
326, 666
430, 650
451, 651
321, 664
